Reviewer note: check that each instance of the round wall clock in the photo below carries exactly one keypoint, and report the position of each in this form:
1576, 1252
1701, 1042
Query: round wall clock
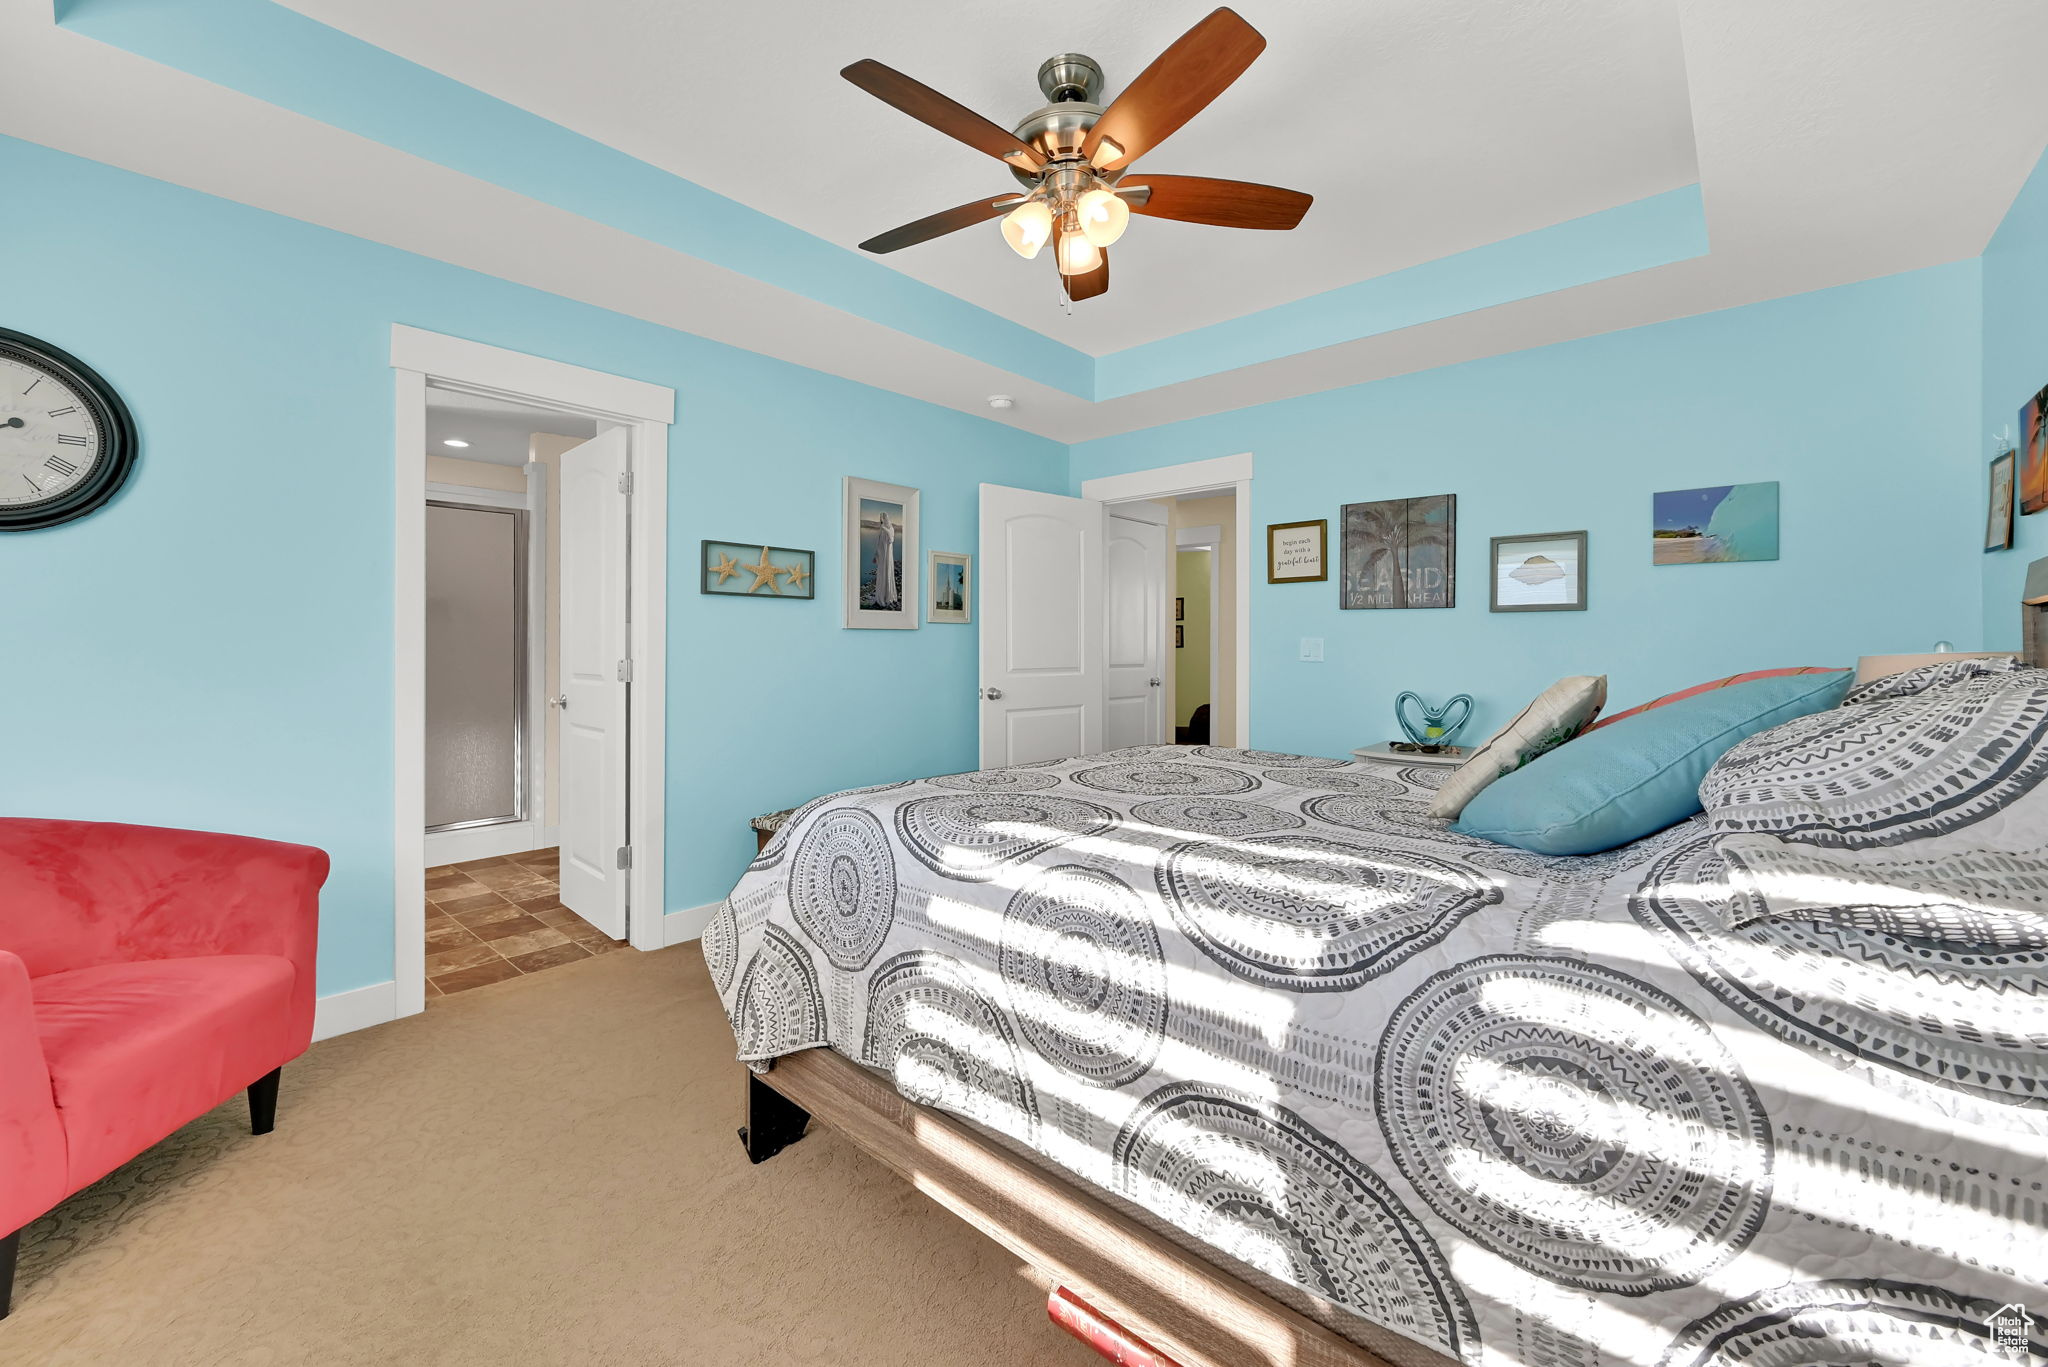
67, 443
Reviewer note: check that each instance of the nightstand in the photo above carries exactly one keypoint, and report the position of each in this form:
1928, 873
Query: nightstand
1449, 758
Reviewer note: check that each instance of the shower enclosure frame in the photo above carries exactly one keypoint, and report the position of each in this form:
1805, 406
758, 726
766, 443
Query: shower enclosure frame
524, 645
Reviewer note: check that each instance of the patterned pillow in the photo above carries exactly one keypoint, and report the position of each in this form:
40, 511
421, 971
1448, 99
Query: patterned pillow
1924, 815
1558, 713
1926, 678
1670, 698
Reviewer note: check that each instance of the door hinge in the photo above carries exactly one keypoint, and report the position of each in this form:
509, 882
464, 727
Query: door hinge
625, 671
626, 482
625, 856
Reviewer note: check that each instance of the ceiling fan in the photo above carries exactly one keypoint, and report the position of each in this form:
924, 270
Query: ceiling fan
1073, 156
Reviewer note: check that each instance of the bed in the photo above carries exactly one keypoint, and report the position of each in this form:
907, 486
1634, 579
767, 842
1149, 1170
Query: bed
1306, 1077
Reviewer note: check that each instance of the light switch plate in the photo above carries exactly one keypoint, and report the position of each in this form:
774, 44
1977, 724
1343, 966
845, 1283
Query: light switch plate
1312, 648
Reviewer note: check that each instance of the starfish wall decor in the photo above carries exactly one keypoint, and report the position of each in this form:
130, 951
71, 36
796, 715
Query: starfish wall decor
751, 570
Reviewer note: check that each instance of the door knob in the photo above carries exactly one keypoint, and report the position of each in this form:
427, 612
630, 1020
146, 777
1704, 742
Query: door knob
562, 701
1154, 682
992, 694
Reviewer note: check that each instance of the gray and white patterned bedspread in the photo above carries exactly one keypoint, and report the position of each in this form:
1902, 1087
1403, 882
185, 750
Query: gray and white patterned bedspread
1531, 1111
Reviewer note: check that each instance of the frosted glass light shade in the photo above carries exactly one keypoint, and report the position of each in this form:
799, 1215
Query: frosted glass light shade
1027, 227
1078, 255
1103, 215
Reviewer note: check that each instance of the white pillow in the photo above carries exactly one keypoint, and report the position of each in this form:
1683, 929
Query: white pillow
1559, 712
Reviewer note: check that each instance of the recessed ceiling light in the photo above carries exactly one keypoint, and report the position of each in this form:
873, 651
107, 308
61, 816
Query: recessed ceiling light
453, 442
1001, 401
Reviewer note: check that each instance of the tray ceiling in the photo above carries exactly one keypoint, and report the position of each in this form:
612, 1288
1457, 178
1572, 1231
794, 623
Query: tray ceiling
1422, 127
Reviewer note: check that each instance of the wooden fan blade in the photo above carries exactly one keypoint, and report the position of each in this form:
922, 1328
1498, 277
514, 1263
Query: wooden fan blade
1088, 286
950, 117
1222, 203
939, 224
1178, 85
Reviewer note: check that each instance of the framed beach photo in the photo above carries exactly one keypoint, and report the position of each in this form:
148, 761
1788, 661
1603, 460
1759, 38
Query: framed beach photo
1718, 525
1541, 572
2031, 483
881, 554
1297, 552
1998, 518
949, 577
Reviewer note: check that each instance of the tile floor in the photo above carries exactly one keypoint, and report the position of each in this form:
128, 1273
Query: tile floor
489, 920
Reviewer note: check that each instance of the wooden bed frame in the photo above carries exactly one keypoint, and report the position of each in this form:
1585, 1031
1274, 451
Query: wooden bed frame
1179, 1303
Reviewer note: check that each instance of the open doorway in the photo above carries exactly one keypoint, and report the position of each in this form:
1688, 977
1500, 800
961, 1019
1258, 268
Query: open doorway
530, 634
1078, 650
494, 696
1169, 609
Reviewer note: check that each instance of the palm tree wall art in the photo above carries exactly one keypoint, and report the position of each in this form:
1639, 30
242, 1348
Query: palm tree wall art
1401, 553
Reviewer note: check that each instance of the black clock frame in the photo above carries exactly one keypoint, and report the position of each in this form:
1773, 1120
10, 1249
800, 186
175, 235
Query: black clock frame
117, 440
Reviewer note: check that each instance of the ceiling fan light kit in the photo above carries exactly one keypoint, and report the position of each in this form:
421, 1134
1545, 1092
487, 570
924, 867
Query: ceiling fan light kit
1072, 155
1028, 227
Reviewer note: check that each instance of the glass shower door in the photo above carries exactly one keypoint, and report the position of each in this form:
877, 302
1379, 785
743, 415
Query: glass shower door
476, 665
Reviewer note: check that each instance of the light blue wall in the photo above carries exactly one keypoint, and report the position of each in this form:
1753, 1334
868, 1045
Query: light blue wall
2015, 366
1599, 246
214, 648
1861, 401
286, 59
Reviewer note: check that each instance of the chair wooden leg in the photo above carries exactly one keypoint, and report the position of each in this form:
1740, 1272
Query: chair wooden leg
9, 1247
263, 1102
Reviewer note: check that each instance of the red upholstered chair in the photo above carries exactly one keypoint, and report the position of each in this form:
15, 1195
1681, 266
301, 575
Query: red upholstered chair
146, 976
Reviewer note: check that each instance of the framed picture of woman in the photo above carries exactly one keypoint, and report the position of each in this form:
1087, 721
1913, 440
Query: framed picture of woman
881, 554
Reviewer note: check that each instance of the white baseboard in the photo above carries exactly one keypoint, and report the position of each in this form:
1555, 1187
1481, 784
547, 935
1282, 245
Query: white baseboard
482, 842
355, 1010
688, 923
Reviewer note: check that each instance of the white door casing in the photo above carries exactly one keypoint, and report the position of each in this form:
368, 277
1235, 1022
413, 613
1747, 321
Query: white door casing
594, 531
1041, 626
1136, 624
419, 357
1219, 474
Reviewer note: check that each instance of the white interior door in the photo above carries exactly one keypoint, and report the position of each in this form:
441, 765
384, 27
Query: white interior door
594, 529
1041, 626
1135, 625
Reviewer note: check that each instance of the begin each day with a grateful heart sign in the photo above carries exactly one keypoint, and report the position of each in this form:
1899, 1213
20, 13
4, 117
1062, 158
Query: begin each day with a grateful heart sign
1295, 552
1437, 726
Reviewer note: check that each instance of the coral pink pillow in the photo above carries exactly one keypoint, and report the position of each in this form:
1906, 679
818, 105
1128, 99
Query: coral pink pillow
1717, 683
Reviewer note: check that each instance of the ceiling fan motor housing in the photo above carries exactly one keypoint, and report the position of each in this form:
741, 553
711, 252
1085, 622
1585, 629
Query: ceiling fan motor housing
1070, 76
1072, 82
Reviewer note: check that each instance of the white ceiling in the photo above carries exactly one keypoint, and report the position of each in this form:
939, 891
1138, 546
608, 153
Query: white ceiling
496, 430
1837, 140
1422, 127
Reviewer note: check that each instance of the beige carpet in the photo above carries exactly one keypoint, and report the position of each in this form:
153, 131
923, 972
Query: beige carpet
543, 1171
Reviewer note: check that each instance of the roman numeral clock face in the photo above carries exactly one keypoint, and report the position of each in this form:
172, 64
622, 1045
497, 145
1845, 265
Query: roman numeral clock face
66, 442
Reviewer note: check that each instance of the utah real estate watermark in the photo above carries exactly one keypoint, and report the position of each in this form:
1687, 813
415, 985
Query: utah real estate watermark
2012, 1331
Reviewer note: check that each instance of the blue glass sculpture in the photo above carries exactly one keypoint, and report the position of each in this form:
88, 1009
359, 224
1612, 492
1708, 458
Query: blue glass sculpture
1436, 728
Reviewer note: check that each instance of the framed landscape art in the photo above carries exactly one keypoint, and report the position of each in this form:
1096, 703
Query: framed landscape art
950, 579
1717, 525
2032, 487
1541, 572
1998, 518
881, 554
1400, 553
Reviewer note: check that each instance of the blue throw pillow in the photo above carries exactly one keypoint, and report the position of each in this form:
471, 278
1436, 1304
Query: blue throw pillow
1642, 773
